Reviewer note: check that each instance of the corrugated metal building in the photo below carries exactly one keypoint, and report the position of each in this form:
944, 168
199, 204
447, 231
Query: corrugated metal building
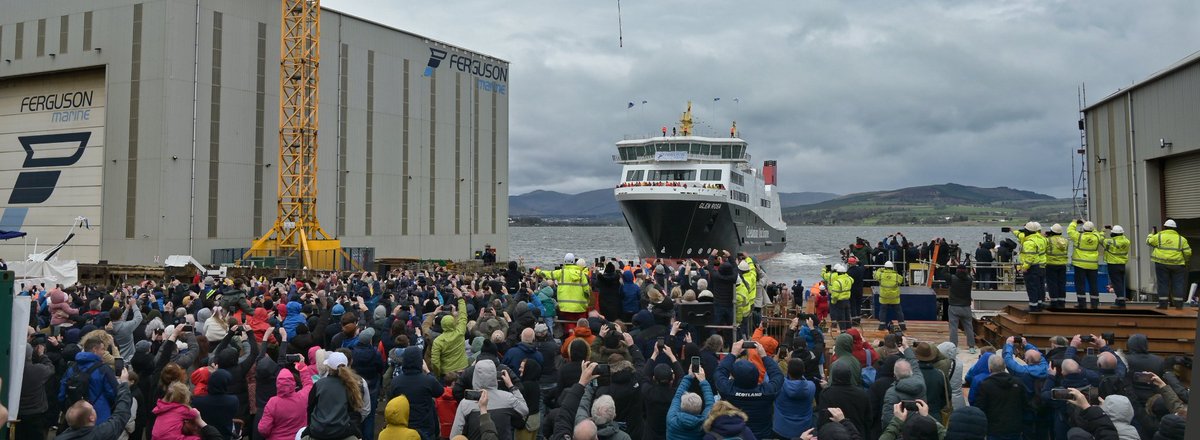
157, 120
1143, 152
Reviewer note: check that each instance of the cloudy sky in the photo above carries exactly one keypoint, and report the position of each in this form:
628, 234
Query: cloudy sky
848, 96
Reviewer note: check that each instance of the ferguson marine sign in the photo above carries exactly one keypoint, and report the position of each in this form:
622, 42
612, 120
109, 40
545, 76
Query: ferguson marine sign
490, 77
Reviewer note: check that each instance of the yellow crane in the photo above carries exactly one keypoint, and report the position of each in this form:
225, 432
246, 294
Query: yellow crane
297, 234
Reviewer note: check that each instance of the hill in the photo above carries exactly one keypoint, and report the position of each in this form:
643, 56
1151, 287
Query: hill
930, 204
601, 203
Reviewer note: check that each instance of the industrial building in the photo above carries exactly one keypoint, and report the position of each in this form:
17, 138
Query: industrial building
1143, 161
157, 121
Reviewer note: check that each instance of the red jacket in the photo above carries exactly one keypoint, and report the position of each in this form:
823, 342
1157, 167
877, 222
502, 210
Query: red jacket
447, 407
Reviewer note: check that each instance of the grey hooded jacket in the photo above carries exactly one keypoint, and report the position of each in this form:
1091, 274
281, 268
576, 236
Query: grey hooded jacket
1120, 411
956, 376
508, 409
908, 388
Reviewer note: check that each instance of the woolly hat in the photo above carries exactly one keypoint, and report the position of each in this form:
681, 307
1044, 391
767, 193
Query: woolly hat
366, 336
142, 346
338, 310
541, 328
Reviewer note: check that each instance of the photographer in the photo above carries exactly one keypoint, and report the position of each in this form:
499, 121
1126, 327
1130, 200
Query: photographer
737, 380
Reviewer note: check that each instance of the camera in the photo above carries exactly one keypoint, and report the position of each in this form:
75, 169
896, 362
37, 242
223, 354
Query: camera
1144, 376
472, 395
1109, 337
749, 345
1061, 394
602, 370
695, 363
1006, 229
293, 358
909, 405
1086, 338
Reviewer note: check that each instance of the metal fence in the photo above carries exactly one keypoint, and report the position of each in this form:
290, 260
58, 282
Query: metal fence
360, 257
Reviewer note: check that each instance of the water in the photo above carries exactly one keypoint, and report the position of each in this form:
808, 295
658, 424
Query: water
809, 247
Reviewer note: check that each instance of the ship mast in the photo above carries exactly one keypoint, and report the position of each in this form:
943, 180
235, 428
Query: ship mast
685, 122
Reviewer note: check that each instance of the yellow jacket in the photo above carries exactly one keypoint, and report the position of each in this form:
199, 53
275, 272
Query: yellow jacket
574, 293
838, 285
396, 414
1116, 250
889, 285
1087, 247
743, 298
1056, 250
1033, 249
1169, 248
751, 278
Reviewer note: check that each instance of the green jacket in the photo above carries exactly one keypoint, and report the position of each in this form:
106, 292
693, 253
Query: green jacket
449, 349
896, 426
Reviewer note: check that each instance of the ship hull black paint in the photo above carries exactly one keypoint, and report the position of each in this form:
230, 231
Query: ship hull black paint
691, 228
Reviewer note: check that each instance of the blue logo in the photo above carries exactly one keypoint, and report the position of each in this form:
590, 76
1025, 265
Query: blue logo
34, 187
435, 59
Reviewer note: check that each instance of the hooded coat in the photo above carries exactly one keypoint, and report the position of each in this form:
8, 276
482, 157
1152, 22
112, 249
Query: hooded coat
682, 425
507, 409
885, 376
630, 293
843, 354
844, 394
861, 348
219, 407
580, 332
794, 407
1139, 358
722, 283
1120, 411
102, 385
950, 350
907, 388
396, 414
285, 414
728, 424
60, 308
967, 423
420, 389
744, 390
449, 352
169, 420
608, 284
519, 353
293, 319
367, 361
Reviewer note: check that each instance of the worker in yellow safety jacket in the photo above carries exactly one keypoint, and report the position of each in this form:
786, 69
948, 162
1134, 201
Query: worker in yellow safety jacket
757, 298
574, 292
1171, 255
1033, 263
1086, 260
743, 297
1057, 250
838, 284
889, 296
1116, 254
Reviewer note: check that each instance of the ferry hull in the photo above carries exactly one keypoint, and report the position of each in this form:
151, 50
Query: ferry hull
692, 228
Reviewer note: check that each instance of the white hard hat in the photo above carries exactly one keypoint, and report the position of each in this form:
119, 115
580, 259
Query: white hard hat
569, 258
1033, 227
840, 268
1089, 226
889, 265
744, 266
1170, 223
1117, 229
580, 263
1057, 228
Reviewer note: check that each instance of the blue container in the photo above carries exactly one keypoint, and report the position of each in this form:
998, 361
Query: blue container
1101, 278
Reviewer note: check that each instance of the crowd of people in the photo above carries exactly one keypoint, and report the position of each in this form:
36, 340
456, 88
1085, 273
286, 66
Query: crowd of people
595, 351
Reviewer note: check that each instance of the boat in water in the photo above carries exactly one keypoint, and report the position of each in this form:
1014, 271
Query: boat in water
684, 196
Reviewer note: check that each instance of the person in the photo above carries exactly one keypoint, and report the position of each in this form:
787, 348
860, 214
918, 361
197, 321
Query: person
1171, 256
857, 273
284, 414
959, 310
335, 402
1002, 399
722, 285
83, 420
1033, 260
726, 421
743, 297
967, 423
448, 354
839, 285
907, 425
34, 407
794, 404
1090, 421
937, 392
909, 385
1116, 256
396, 414
685, 419
843, 354
1086, 260
608, 287
844, 400
574, 292
1057, 250
418, 386
950, 352
738, 381
984, 268
508, 409
1031, 374
218, 406
889, 296
101, 380
602, 412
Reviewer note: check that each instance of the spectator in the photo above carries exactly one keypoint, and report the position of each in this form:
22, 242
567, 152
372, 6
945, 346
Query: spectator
123, 326
448, 354
602, 412
726, 421
907, 425
83, 419
849, 399
523, 350
1032, 374
960, 314
950, 352
1120, 411
967, 423
1090, 421
34, 407
937, 396
219, 407
418, 386
686, 418
172, 413
843, 354
1002, 398
369, 365
285, 414
738, 382
101, 382
338, 414
582, 331
508, 409
396, 414
657, 391
794, 404
885, 376
909, 385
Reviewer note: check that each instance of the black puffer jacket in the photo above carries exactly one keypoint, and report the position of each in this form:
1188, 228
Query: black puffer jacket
967, 423
1139, 358
1095, 422
1002, 398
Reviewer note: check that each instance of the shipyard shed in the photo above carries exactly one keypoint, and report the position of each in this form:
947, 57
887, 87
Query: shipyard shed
1143, 162
159, 121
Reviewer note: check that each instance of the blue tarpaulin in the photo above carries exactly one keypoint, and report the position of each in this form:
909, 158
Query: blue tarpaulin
6, 235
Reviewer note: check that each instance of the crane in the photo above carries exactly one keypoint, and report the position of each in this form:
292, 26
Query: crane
297, 234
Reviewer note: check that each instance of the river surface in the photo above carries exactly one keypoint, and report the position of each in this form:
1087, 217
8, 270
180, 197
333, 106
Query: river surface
809, 248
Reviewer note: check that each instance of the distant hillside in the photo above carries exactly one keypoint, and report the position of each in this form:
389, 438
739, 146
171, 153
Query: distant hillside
601, 203
931, 204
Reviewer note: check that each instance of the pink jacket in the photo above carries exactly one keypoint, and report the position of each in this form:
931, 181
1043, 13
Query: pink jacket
170, 417
287, 412
60, 308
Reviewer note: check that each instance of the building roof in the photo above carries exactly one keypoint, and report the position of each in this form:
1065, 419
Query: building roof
1185, 62
432, 40
710, 140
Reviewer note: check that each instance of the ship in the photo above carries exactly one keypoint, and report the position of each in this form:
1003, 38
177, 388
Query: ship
684, 196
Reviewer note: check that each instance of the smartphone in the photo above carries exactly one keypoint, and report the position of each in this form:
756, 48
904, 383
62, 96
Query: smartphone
695, 363
602, 370
828, 267
661, 342
293, 358
915, 342
749, 345
909, 405
187, 327
1086, 338
118, 365
1006, 229
1144, 376
1061, 394
472, 395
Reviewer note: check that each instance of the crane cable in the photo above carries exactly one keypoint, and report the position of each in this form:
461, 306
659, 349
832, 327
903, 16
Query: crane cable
620, 28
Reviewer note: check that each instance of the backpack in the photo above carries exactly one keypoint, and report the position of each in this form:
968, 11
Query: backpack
868, 371
78, 384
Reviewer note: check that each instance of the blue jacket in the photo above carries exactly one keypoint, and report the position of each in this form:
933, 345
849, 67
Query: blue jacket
1026, 373
685, 426
520, 352
815, 340
976, 375
794, 407
102, 385
631, 292
294, 318
745, 392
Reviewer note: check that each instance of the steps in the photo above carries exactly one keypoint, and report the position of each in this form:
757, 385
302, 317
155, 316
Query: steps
1168, 331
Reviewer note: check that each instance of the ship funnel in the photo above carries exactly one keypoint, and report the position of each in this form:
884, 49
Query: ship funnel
769, 172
